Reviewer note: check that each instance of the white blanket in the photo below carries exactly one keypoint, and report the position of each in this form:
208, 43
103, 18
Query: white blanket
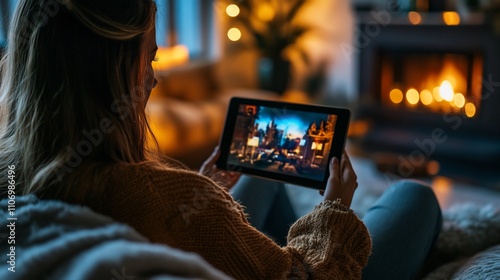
54, 240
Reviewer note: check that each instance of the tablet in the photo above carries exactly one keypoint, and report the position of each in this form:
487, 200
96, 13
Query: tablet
288, 142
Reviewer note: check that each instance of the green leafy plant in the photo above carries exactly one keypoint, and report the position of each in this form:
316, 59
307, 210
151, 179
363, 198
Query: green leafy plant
271, 23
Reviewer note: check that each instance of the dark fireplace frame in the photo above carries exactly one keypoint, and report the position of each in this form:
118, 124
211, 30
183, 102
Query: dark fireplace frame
471, 141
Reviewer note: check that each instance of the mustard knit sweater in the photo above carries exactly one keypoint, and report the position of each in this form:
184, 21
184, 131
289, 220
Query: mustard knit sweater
186, 210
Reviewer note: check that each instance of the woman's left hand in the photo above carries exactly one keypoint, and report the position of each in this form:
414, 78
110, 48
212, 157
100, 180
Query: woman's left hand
226, 179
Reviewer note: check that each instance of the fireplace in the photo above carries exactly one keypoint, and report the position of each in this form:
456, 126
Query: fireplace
431, 82
431, 89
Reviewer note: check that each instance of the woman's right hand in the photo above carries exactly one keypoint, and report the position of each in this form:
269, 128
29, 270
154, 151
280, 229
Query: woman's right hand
342, 181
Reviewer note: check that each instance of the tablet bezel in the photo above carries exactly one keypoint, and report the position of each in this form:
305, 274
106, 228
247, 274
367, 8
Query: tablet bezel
337, 146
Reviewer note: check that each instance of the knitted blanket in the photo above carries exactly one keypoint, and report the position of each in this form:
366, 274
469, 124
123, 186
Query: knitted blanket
53, 240
469, 244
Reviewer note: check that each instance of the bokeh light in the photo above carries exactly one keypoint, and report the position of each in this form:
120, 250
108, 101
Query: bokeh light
412, 96
470, 109
451, 18
426, 97
265, 12
232, 10
414, 18
446, 91
234, 34
396, 96
459, 100
436, 94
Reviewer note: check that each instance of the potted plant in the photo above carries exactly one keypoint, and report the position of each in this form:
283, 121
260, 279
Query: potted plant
273, 28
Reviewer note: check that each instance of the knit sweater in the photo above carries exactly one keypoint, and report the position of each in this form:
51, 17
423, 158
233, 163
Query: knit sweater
186, 210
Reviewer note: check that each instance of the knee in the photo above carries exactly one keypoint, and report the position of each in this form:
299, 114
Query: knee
416, 190
422, 197
419, 196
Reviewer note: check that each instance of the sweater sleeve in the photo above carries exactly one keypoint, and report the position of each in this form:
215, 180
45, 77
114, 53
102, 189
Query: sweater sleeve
332, 241
188, 211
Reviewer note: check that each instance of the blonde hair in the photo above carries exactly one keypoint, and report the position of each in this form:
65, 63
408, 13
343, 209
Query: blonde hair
73, 89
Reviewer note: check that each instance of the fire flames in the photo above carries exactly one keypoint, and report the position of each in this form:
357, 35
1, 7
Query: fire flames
444, 91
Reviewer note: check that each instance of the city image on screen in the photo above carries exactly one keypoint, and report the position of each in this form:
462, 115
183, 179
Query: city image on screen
283, 141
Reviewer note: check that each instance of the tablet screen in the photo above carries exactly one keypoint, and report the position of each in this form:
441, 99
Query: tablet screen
291, 142
282, 141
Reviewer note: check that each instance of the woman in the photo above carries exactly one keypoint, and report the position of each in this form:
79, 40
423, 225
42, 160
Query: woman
76, 77
75, 86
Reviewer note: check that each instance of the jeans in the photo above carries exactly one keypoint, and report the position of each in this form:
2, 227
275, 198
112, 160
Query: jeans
403, 223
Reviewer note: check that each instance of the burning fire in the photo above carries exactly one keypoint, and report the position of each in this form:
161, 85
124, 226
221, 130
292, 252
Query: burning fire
440, 93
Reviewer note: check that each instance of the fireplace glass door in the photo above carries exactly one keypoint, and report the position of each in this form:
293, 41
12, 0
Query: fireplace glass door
431, 82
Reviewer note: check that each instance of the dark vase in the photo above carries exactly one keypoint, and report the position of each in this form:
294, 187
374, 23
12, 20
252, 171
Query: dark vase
274, 74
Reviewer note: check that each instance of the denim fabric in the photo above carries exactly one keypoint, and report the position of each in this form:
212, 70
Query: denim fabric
404, 223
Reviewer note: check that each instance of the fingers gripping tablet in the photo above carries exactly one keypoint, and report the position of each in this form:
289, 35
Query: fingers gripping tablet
282, 141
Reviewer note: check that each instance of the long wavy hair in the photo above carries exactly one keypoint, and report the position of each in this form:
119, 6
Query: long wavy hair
73, 90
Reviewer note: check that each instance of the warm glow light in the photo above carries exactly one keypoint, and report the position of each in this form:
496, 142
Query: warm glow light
436, 94
459, 100
234, 34
433, 167
446, 91
470, 109
232, 10
396, 96
426, 97
422, 5
170, 57
412, 96
451, 18
443, 86
265, 12
414, 18
253, 142
443, 188
358, 128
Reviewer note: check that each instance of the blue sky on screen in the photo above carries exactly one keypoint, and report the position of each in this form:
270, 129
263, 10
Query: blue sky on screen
293, 123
